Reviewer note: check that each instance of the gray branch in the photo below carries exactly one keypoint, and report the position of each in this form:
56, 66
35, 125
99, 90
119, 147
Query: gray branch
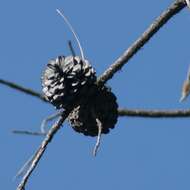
19, 132
41, 149
173, 9
121, 112
154, 113
22, 89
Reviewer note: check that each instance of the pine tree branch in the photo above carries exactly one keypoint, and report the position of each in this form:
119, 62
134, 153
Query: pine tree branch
121, 112
22, 89
25, 132
154, 113
39, 153
173, 9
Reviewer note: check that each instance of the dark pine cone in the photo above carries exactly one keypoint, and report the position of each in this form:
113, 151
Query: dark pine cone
101, 105
66, 78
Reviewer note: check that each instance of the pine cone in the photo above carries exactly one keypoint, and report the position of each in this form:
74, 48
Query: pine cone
101, 105
66, 78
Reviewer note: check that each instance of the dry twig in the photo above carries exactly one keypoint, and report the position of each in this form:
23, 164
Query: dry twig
173, 9
22, 89
22, 132
97, 145
154, 113
42, 149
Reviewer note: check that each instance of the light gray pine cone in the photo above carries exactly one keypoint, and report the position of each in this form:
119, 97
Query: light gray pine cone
66, 78
101, 105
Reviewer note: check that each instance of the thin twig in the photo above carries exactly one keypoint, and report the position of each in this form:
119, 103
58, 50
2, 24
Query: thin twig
42, 127
71, 48
24, 168
97, 145
49, 118
22, 132
42, 149
73, 31
173, 9
22, 89
154, 113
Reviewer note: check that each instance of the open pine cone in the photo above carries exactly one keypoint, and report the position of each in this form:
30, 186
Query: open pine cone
69, 81
66, 78
101, 105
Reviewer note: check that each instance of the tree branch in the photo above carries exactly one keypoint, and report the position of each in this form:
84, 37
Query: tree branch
121, 112
42, 149
173, 9
22, 89
154, 113
19, 132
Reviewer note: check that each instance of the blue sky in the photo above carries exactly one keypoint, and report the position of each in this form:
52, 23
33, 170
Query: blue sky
139, 153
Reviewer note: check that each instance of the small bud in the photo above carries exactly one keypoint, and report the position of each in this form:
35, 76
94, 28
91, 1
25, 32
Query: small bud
186, 87
185, 90
188, 3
